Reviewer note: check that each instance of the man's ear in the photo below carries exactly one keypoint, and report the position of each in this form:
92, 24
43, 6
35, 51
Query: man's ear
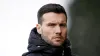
38, 27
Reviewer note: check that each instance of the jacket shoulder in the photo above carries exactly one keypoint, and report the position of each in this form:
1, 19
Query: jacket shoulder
31, 54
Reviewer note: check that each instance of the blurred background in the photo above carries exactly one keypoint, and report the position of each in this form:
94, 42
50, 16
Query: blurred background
18, 17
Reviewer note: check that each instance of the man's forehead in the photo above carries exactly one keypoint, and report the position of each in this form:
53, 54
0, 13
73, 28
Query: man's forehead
54, 16
54, 21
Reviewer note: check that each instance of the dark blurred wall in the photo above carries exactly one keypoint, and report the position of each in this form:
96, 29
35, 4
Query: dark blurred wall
84, 33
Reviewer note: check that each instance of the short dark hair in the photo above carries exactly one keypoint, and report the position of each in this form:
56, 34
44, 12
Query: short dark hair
56, 8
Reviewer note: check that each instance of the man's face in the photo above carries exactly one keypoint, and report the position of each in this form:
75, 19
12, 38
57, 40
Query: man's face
54, 28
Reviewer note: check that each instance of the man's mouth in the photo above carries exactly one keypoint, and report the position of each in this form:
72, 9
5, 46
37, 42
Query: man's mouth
57, 38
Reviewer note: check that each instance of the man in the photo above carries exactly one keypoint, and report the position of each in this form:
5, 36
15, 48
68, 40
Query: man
49, 37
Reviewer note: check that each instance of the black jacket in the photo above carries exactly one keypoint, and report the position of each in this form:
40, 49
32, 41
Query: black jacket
38, 47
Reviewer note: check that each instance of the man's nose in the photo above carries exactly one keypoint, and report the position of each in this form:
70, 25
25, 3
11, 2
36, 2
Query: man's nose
58, 30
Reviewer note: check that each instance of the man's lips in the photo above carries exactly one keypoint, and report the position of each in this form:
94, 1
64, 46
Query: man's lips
59, 38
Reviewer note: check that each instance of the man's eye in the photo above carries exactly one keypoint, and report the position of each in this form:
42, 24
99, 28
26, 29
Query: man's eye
64, 25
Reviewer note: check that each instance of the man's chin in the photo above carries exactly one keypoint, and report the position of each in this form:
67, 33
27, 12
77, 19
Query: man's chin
57, 44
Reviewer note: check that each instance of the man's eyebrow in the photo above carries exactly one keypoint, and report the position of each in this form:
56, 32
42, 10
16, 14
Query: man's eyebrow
55, 23
51, 22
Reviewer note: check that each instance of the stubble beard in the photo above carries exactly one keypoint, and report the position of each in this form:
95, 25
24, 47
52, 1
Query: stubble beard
50, 42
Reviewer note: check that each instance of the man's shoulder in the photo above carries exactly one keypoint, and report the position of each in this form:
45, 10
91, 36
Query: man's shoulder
31, 54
